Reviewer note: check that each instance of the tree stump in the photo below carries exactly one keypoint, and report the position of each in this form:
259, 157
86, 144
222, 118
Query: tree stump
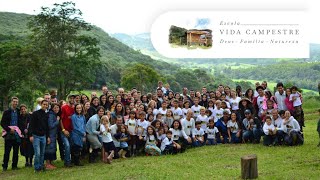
249, 167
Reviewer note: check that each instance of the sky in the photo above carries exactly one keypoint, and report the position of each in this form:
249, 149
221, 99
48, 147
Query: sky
137, 16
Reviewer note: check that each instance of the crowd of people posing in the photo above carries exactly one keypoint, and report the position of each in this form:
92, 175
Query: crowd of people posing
131, 123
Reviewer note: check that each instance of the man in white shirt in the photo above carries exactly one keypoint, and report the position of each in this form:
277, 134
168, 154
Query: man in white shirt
113, 130
277, 121
280, 96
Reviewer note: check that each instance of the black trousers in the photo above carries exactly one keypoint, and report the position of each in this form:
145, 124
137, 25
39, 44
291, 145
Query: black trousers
8, 145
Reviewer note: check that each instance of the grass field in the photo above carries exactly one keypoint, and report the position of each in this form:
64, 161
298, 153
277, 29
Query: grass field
214, 162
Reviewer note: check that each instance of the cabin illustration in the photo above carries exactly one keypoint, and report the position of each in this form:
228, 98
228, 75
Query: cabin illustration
191, 37
201, 37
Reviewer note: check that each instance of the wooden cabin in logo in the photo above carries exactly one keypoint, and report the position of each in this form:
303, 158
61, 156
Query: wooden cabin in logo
201, 37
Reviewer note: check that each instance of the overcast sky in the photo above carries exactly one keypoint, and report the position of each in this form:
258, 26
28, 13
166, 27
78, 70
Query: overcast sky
136, 16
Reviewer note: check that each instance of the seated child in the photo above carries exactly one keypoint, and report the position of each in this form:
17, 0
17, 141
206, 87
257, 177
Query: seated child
198, 135
270, 132
211, 133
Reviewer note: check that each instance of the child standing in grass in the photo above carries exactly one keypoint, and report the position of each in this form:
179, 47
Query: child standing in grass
131, 124
107, 140
78, 134
122, 136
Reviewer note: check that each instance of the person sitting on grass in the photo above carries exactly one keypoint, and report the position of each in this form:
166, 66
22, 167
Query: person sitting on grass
234, 129
222, 127
270, 132
167, 144
198, 135
151, 142
291, 128
212, 131
252, 128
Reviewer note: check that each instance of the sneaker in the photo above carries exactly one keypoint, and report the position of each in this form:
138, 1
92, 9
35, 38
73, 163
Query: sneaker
67, 165
27, 164
15, 168
4, 169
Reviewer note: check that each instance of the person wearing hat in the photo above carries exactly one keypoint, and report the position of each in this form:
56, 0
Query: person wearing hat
222, 127
244, 104
251, 127
258, 101
67, 111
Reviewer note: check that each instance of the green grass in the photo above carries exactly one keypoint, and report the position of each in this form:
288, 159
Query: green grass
210, 162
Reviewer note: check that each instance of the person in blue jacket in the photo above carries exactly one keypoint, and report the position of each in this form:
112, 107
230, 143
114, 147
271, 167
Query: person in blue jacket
53, 122
78, 134
222, 127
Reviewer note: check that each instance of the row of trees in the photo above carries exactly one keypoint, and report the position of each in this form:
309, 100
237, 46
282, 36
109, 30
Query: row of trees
304, 75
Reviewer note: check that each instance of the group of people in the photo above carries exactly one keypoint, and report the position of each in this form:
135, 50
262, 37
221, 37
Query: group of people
164, 122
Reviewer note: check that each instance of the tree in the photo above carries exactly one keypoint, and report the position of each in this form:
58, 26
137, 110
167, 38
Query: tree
68, 56
187, 78
141, 76
18, 64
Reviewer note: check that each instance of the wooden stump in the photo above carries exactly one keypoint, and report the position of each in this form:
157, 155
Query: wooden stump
249, 167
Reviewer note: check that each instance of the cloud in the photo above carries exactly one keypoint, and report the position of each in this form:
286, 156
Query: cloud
202, 23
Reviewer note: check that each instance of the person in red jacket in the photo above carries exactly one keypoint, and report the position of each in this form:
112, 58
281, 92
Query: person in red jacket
67, 111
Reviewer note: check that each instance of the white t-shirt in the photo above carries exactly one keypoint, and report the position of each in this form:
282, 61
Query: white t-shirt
176, 134
113, 130
198, 133
278, 123
188, 126
266, 128
165, 142
260, 103
177, 113
132, 124
196, 110
233, 126
217, 114
142, 127
163, 112
106, 136
204, 121
168, 121
296, 102
211, 133
184, 112
235, 103
155, 112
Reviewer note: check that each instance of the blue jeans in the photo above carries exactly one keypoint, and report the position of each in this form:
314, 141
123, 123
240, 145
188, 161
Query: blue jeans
66, 146
39, 145
211, 142
253, 135
234, 138
198, 143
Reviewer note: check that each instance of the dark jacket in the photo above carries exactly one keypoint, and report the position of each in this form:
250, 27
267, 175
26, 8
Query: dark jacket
6, 119
39, 124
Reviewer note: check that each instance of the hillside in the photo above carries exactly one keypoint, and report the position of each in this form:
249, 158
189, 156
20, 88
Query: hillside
135, 41
114, 53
